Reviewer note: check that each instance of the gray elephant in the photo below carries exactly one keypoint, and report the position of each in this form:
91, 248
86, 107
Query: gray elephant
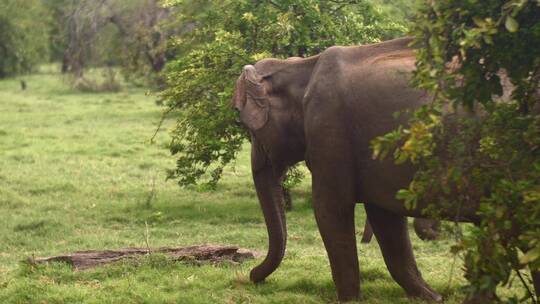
325, 110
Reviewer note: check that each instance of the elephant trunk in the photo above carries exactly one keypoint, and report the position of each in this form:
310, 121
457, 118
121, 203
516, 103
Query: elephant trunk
269, 191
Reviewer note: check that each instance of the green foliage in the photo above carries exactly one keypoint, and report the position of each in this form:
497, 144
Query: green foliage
225, 36
23, 36
144, 29
474, 51
110, 33
205, 133
398, 9
294, 177
57, 24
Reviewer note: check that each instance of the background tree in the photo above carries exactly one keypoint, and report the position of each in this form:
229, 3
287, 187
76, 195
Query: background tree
226, 35
82, 23
131, 36
23, 36
481, 57
144, 31
398, 9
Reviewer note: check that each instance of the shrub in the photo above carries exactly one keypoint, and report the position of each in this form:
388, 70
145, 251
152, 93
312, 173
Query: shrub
472, 50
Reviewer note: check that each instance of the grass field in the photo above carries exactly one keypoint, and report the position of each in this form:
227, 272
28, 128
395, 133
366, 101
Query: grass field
76, 173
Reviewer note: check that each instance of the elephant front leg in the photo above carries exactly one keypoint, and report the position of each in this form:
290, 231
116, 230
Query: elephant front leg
334, 212
392, 234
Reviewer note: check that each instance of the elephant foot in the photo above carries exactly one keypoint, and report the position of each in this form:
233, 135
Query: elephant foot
348, 298
348, 289
427, 294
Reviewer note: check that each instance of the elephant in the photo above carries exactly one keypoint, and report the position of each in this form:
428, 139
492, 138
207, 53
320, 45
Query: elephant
426, 229
325, 110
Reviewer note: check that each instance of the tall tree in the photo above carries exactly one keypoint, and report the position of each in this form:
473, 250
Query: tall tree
132, 35
23, 36
82, 22
145, 29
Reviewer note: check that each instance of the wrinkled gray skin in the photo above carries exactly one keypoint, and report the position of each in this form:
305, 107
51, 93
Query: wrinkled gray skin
325, 110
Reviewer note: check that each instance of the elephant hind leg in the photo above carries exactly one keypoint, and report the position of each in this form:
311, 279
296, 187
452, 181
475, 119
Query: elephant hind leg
392, 234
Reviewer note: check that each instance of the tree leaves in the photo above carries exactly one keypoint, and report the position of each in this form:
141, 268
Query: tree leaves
24, 36
530, 256
231, 33
511, 24
485, 159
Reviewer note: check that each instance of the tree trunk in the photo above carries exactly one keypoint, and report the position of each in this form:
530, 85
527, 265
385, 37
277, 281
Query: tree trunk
93, 258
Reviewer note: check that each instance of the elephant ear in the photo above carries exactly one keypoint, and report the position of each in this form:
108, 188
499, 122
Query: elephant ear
254, 107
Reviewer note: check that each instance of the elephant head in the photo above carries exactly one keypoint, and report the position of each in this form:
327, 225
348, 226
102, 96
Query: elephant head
250, 99
268, 97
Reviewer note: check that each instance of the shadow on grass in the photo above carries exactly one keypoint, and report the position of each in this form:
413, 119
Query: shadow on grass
323, 290
373, 274
383, 290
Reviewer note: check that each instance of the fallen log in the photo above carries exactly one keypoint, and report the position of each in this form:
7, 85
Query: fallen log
93, 258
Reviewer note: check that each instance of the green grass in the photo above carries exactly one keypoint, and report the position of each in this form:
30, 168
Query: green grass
76, 171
